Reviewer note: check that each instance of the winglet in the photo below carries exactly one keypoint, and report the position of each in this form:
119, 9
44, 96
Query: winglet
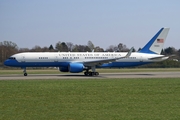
129, 53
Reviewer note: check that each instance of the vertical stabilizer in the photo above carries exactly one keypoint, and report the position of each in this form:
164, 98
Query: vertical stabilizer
155, 45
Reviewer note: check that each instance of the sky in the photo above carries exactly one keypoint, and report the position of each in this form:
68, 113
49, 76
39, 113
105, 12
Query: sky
104, 22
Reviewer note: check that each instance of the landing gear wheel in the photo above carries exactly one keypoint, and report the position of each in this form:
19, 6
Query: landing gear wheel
85, 73
91, 73
96, 73
25, 74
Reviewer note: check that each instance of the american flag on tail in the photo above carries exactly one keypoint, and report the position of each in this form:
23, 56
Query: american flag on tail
160, 40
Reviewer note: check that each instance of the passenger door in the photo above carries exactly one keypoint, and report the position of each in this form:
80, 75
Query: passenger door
23, 59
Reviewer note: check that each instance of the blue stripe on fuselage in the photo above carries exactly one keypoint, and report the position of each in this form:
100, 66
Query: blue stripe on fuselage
122, 64
15, 63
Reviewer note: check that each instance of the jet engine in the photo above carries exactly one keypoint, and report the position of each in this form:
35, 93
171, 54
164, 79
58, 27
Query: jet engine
76, 67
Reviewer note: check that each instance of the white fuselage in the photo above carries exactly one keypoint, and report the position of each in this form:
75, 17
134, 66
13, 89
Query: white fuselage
58, 59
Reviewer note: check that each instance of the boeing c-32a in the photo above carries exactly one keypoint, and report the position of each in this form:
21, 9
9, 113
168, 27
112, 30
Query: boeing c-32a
76, 62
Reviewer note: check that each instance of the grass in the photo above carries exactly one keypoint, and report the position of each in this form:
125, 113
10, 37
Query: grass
55, 71
91, 99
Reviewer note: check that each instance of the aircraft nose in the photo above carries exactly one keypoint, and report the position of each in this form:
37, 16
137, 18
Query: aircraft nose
10, 62
6, 62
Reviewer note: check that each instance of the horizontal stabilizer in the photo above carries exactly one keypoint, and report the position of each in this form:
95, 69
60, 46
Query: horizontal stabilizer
161, 57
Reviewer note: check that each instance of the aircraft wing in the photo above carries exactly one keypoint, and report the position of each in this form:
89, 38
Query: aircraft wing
100, 62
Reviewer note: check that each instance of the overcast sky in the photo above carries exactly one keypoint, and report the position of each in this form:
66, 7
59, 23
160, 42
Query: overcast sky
105, 22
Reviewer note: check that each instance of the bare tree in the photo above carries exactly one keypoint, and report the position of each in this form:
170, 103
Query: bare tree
90, 45
81, 48
58, 46
112, 48
98, 49
62, 47
36, 49
23, 50
70, 46
7, 48
122, 48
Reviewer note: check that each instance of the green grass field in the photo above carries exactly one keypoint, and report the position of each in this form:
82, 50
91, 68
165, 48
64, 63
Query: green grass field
90, 99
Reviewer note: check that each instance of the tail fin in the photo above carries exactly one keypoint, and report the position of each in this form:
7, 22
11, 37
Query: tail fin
155, 45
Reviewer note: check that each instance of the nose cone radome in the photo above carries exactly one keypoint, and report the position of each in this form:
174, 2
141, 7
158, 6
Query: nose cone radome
6, 62
10, 62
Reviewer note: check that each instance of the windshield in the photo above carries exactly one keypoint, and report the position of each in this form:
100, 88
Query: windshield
12, 58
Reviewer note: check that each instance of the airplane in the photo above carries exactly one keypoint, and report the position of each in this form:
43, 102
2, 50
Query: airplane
76, 62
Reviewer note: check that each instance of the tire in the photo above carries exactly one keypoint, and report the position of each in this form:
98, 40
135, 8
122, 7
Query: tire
25, 74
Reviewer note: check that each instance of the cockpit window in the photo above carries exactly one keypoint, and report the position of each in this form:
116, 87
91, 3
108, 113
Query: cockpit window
12, 58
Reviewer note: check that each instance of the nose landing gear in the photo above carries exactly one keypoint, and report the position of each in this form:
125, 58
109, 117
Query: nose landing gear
24, 71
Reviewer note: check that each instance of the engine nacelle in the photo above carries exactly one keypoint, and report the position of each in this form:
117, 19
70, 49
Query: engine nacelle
76, 67
63, 69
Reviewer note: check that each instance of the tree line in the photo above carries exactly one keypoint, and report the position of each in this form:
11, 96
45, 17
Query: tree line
8, 48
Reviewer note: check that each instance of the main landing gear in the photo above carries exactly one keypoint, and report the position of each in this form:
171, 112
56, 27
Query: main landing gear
24, 71
93, 73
